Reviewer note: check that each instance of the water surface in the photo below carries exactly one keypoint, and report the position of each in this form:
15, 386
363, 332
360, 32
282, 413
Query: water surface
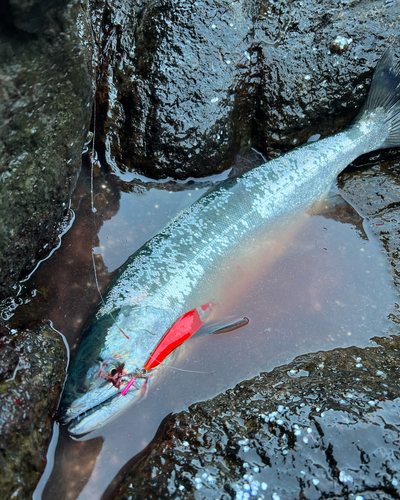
320, 281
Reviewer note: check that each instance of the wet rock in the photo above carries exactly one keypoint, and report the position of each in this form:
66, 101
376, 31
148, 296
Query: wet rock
184, 85
32, 372
306, 88
45, 104
324, 426
168, 86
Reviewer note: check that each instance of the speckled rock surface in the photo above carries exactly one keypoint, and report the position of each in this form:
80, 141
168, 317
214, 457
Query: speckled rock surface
184, 85
325, 426
45, 105
32, 371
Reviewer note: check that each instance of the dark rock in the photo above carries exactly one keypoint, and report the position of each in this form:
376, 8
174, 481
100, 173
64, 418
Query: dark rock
305, 89
324, 426
185, 85
29, 16
167, 87
32, 372
45, 104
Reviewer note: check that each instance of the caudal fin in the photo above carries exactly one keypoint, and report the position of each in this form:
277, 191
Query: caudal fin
384, 94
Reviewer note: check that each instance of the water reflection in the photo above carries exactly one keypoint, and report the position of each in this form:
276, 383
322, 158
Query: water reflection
75, 467
320, 283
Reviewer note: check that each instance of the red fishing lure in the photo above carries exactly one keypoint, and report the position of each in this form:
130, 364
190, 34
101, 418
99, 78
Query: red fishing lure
186, 326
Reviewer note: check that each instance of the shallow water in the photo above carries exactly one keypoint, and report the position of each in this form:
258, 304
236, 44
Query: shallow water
322, 283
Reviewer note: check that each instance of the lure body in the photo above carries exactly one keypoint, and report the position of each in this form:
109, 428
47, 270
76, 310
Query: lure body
180, 269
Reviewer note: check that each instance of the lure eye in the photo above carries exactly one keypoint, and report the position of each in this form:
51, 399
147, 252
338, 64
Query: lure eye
113, 372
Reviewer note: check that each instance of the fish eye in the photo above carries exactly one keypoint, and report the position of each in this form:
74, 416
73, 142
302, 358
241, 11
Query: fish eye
109, 369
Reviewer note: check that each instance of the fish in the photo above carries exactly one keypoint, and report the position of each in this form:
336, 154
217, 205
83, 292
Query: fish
168, 289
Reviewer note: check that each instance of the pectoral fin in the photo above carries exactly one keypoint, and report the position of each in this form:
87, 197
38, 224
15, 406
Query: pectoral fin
186, 326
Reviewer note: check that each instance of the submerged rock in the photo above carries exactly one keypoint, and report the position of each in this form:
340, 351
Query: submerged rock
45, 106
375, 193
32, 372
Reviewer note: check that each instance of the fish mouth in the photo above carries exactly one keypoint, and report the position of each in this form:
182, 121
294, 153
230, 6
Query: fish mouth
74, 422
82, 418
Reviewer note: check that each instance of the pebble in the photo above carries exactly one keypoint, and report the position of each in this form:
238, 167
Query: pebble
340, 44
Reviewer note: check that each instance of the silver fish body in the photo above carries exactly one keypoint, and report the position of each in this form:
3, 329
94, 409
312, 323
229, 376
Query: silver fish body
182, 267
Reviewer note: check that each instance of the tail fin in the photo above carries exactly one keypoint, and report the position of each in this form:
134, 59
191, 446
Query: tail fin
384, 94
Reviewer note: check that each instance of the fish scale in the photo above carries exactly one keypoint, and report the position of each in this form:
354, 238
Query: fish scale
232, 213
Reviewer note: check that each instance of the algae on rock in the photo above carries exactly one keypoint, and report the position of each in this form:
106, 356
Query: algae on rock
46, 89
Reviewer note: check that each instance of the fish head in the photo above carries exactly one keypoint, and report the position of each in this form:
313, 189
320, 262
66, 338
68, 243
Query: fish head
107, 372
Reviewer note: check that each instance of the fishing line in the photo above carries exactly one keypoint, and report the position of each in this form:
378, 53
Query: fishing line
91, 194
93, 154
133, 380
101, 297
188, 371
